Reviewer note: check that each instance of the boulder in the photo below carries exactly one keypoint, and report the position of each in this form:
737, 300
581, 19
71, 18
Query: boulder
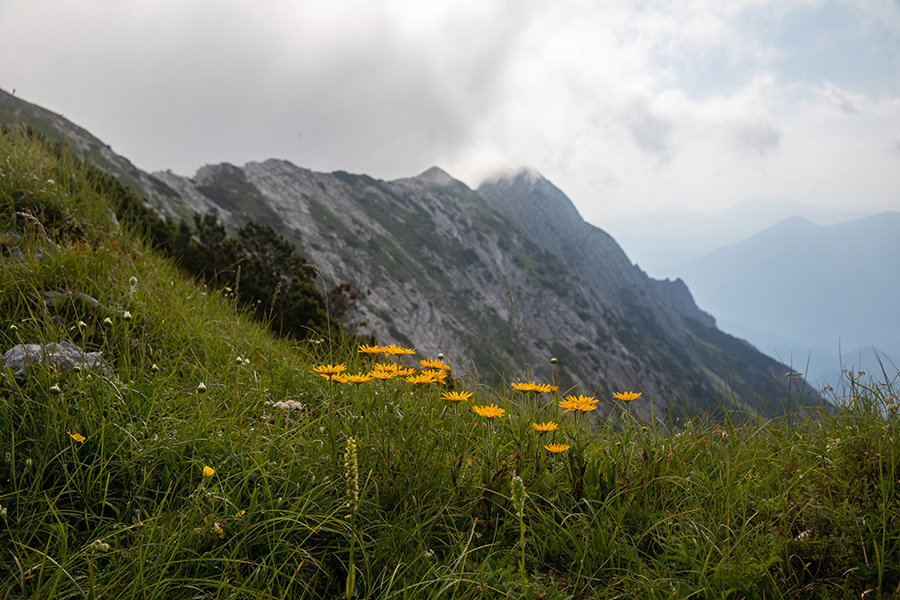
63, 356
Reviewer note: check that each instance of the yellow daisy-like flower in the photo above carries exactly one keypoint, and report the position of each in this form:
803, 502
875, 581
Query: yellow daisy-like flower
434, 364
545, 427
626, 397
423, 378
208, 471
489, 412
339, 377
77, 437
366, 349
582, 403
557, 448
329, 369
382, 374
406, 371
438, 374
397, 350
358, 378
545, 388
456, 396
534, 387
387, 367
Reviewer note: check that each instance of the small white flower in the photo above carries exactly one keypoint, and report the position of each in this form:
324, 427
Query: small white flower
201, 388
126, 315
803, 535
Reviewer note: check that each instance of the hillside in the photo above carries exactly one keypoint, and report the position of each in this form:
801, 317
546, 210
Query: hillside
804, 290
159, 443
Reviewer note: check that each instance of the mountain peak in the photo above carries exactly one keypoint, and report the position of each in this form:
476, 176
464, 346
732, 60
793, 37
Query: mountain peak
436, 176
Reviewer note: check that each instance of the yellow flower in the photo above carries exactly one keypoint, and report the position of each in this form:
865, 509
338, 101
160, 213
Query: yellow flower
626, 396
557, 448
438, 374
582, 403
489, 412
434, 364
339, 377
423, 378
366, 349
208, 471
383, 374
77, 437
456, 396
534, 387
358, 378
395, 349
545, 427
329, 369
545, 388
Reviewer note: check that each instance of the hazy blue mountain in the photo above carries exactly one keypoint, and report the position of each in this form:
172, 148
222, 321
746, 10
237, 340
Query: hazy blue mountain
662, 240
802, 291
499, 279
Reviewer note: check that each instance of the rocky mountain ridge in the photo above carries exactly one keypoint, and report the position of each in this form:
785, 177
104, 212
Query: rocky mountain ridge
499, 279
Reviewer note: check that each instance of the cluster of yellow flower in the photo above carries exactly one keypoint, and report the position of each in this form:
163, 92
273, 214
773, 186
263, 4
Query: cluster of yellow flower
541, 388
392, 350
382, 371
385, 371
435, 371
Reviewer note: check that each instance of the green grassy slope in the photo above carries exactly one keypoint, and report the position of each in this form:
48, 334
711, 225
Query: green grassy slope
177, 476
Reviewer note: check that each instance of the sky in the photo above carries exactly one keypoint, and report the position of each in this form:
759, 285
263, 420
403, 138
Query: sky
628, 107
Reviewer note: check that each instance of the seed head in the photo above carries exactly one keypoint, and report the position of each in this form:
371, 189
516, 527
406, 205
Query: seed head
351, 474
518, 495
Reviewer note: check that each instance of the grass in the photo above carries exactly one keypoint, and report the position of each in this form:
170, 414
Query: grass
806, 508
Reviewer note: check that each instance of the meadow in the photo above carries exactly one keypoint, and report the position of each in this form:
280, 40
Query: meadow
215, 460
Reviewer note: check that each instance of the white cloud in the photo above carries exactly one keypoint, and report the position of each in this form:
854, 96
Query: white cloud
621, 104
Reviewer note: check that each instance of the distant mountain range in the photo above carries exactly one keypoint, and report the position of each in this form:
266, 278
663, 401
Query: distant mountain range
663, 240
822, 295
500, 279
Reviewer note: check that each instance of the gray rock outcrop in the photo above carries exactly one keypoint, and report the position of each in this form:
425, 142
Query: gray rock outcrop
20, 359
